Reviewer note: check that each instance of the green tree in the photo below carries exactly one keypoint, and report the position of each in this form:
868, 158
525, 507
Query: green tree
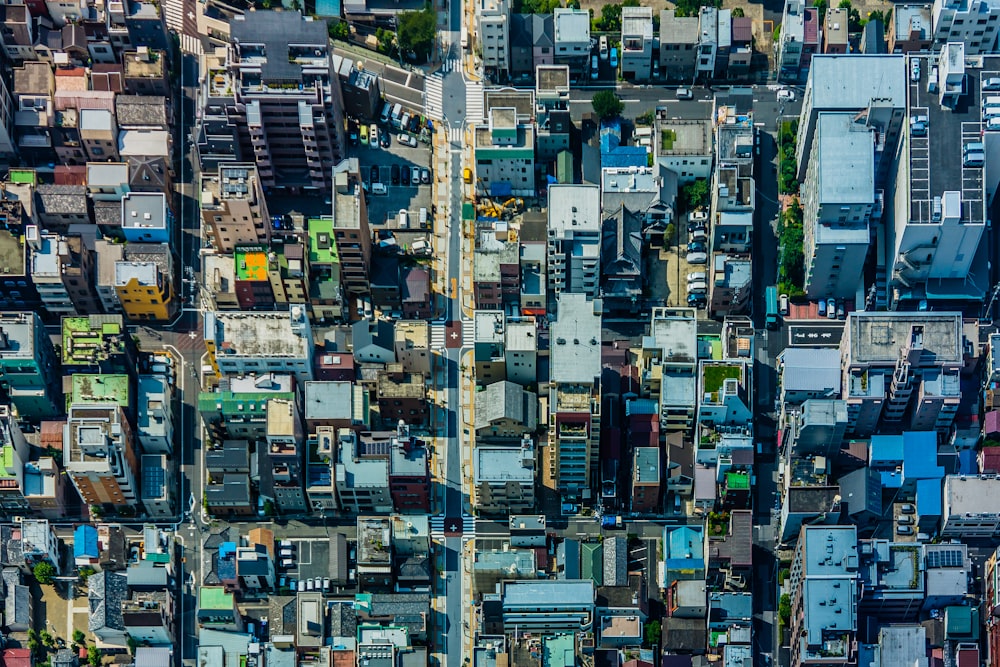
79, 637
611, 18
295, 6
645, 118
844, 4
416, 32
93, 656
339, 30
785, 608
607, 104
44, 572
33, 644
386, 40
738, 12
652, 632
694, 194
48, 641
822, 6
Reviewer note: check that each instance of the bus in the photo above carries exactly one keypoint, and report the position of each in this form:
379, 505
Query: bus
771, 319
465, 36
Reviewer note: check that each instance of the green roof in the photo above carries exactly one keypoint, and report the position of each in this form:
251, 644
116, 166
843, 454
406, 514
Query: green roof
322, 248
715, 375
23, 176
592, 562
6, 461
251, 263
209, 402
214, 597
737, 481
97, 388
88, 340
504, 153
468, 211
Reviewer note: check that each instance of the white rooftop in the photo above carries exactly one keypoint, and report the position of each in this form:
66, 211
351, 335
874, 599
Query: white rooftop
574, 209
575, 340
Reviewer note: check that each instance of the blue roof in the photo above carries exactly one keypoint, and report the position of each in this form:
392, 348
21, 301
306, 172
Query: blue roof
641, 406
227, 548
920, 456
686, 542
85, 542
885, 450
624, 156
967, 463
929, 497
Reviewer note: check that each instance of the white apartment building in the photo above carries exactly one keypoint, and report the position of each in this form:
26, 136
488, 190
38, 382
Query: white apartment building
574, 244
243, 343
971, 22
637, 43
494, 35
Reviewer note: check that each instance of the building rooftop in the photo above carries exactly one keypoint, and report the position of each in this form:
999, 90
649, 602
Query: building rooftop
679, 137
878, 338
255, 335
87, 388
571, 25
846, 169
678, 29
647, 465
250, 263
501, 464
810, 369
834, 82
575, 336
280, 46
322, 249
574, 209
92, 339
143, 142
17, 335
968, 495
557, 593
145, 273
141, 210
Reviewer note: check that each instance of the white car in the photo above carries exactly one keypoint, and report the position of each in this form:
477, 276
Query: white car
697, 258
684, 94
786, 95
407, 140
914, 70
993, 124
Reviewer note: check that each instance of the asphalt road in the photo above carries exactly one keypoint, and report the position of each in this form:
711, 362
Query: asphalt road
453, 106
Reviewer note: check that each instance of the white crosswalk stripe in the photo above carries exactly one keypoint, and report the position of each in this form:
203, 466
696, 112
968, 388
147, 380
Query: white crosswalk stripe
474, 103
173, 14
468, 526
451, 65
433, 94
191, 44
468, 333
437, 336
456, 135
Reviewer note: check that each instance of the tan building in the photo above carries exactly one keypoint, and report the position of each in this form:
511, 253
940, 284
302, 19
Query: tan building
350, 228
401, 395
412, 343
99, 455
233, 208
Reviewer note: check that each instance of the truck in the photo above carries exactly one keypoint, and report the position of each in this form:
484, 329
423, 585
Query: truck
771, 319
611, 521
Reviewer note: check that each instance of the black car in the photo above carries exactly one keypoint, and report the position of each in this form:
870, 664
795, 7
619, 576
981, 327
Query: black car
394, 174
697, 246
697, 300
374, 174
385, 139
406, 175
414, 123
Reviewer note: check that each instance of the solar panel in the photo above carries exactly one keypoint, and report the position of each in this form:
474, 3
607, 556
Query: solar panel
945, 558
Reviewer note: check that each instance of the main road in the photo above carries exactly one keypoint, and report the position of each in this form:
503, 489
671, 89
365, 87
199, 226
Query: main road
453, 501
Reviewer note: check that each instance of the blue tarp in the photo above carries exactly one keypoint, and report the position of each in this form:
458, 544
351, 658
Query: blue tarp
85, 542
501, 190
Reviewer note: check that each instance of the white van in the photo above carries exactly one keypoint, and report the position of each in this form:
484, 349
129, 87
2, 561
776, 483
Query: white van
160, 368
604, 47
973, 160
404, 219
698, 288
386, 111
162, 359
423, 217
379, 189
696, 276
420, 245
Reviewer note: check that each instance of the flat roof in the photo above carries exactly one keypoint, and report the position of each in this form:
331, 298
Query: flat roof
100, 388
878, 337
810, 369
19, 332
145, 273
852, 81
574, 209
256, 335
846, 169
575, 340
502, 464
647, 465
250, 263
556, 593
144, 209
966, 494
680, 137
830, 550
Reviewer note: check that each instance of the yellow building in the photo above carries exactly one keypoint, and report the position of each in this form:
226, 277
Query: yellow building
144, 291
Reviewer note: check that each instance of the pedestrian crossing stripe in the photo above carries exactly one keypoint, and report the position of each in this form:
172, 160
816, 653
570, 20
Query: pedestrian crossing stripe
433, 95
436, 524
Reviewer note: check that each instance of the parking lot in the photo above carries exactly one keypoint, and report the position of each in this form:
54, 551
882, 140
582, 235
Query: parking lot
412, 197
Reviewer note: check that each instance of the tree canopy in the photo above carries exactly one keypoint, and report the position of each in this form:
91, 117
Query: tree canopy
607, 104
415, 33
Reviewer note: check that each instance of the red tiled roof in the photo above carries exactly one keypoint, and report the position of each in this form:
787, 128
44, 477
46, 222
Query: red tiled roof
810, 30
70, 174
742, 30
991, 422
16, 657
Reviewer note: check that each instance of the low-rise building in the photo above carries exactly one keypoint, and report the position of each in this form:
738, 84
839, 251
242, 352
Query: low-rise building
970, 506
637, 43
240, 343
504, 477
546, 606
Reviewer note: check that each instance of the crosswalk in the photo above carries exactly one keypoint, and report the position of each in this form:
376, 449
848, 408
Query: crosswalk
437, 337
173, 15
468, 526
474, 103
456, 135
191, 44
468, 333
451, 65
433, 95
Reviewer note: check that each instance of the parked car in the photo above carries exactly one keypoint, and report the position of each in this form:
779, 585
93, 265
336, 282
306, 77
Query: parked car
914, 70
699, 287
425, 176
841, 313
414, 125
821, 307
696, 276
905, 520
404, 175
374, 177
684, 94
698, 235
904, 530
993, 124
992, 83
407, 140
385, 138
604, 47
373, 135
786, 95
697, 258
614, 58
907, 508
783, 305
415, 175
697, 300
697, 246
831, 309
394, 174
364, 135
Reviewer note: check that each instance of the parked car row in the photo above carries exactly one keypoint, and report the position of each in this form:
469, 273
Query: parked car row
832, 309
399, 174
697, 286
302, 585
